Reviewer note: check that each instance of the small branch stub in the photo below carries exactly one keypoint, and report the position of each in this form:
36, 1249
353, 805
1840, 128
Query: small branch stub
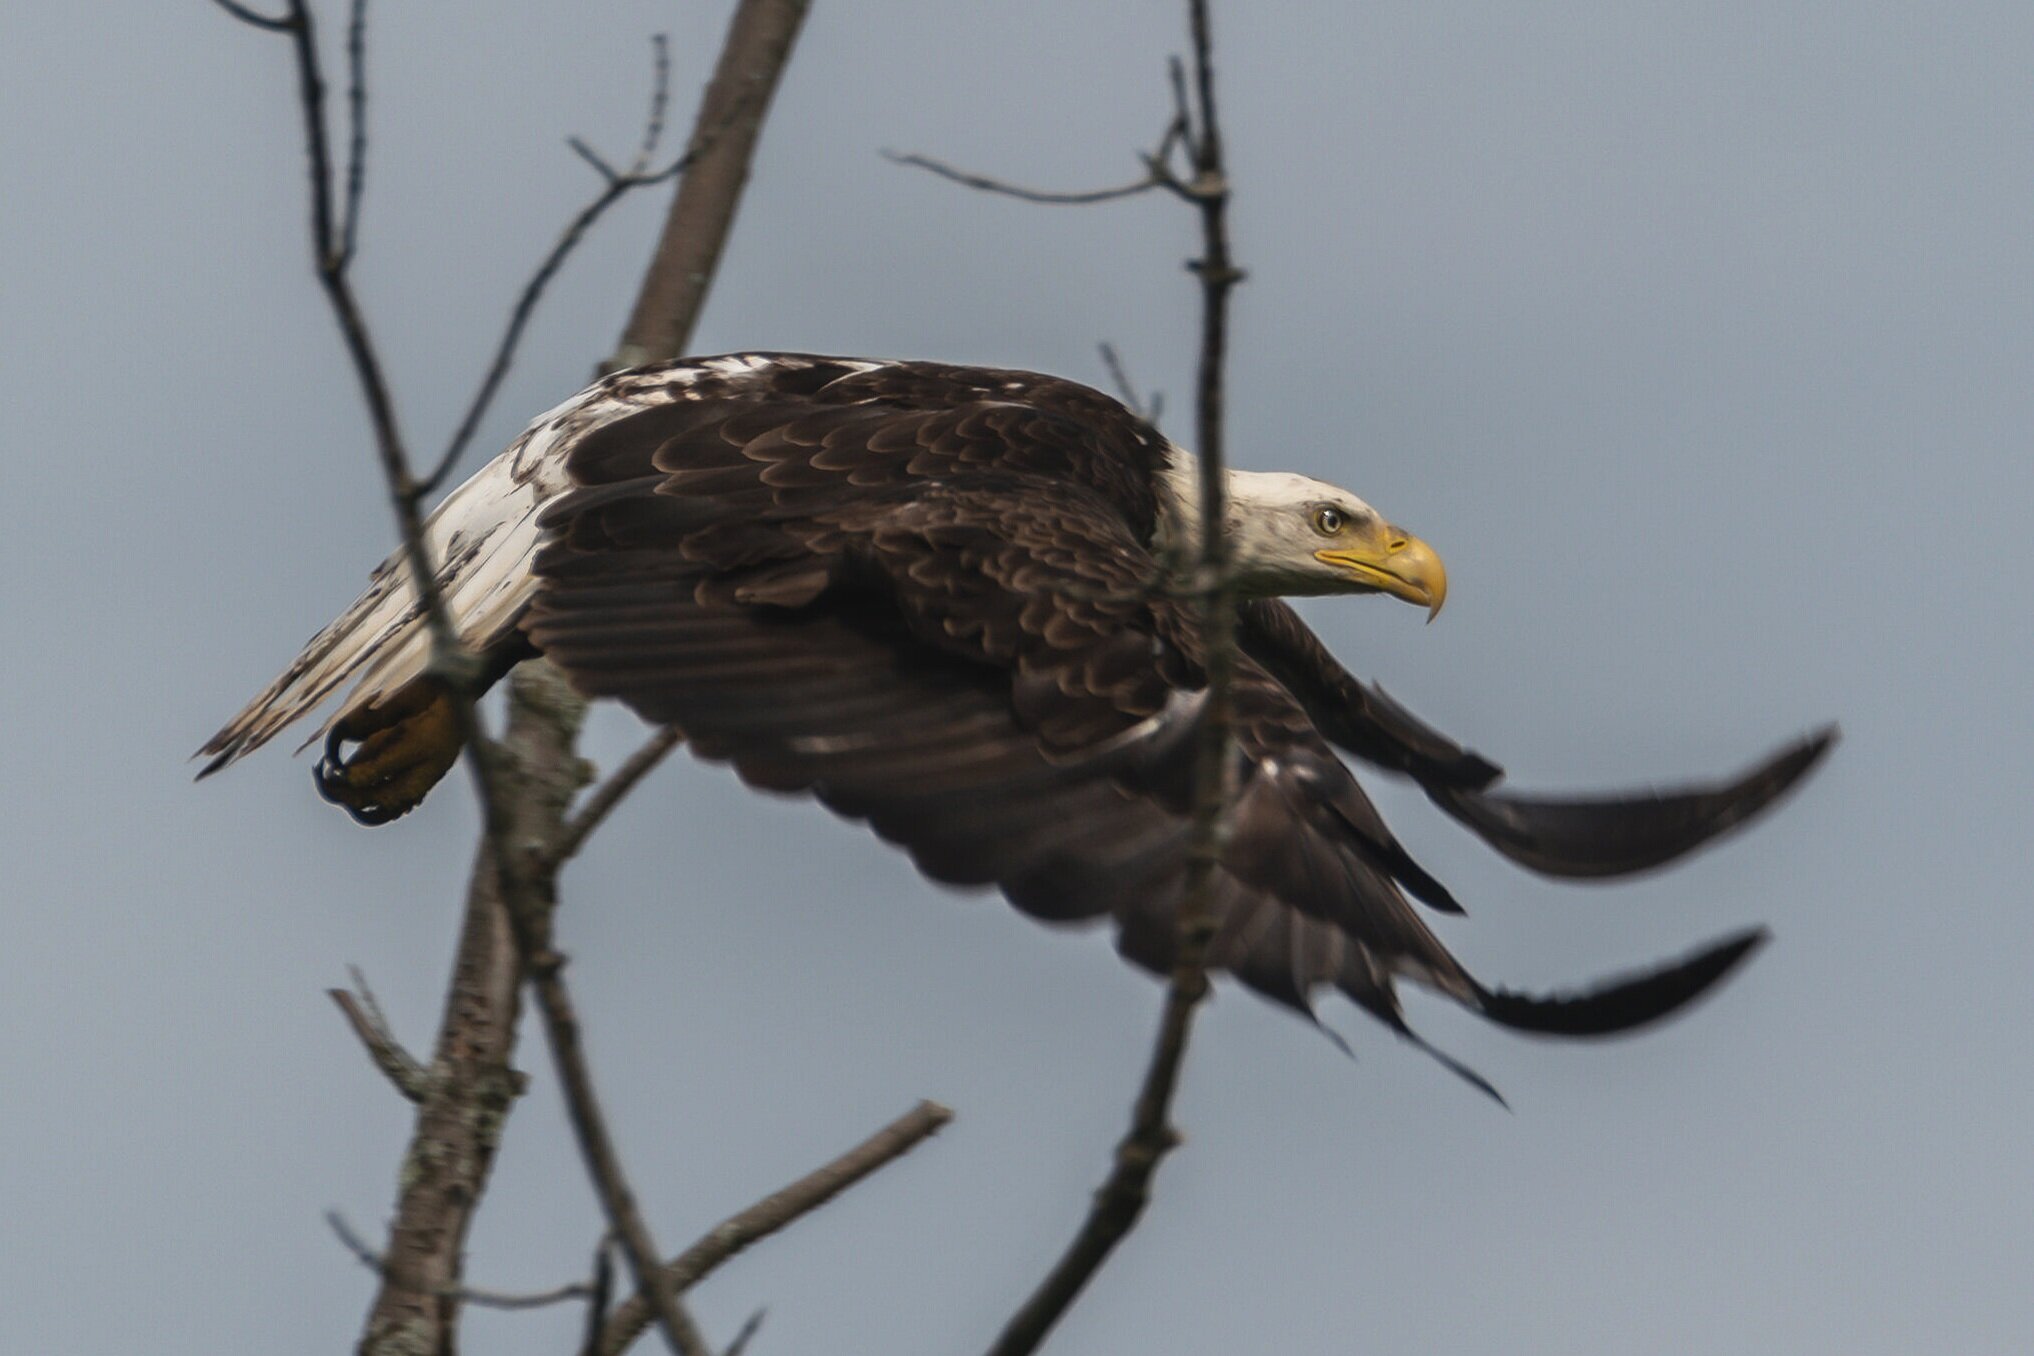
370, 1024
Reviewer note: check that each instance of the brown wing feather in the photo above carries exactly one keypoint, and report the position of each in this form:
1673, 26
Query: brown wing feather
921, 594
973, 662
1579, 837
979, 670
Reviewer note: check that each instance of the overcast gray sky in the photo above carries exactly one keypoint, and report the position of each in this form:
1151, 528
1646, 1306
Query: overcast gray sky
1695, 337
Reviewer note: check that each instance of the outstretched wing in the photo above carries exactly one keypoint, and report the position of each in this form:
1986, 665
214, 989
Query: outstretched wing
895, 422
973, 661
1578, 837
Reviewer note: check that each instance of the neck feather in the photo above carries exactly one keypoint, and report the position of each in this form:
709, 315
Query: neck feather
1179, 505
1179, 519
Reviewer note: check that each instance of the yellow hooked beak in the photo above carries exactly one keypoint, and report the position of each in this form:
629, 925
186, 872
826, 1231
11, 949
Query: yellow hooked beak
1383, 558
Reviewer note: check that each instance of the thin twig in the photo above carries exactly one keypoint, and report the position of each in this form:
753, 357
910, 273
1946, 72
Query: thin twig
543, 966
777, 1210
465, 1294
356, 117
1123, 1194
1075, 198
1158, 172
603, 1295
519, 318
747, 1333
616, 185
1125, 388
448, 659
609, 793
369, 1023
248, 16
660, 99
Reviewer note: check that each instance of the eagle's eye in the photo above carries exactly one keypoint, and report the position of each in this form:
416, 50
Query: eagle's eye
1329, 521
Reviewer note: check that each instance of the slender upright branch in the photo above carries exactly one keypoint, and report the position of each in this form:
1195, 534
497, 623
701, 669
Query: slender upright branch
1123, 1194
753, 56
603, 1291
747, 1333
356, 123
540, 693
331, 257
471, 1084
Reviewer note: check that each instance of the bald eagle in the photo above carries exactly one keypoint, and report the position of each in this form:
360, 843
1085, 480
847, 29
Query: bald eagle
935, 598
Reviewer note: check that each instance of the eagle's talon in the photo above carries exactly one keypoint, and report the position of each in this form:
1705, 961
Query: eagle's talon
400, 751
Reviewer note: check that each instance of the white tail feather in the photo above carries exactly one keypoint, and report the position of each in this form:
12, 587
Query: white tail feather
482, 540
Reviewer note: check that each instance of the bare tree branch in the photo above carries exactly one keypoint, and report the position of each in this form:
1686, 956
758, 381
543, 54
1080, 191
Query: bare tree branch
540, 689
747, 1334
616, 185
603, 1294
1158, 171
1123, 1194
526, 785
775, 1211
660, 100
1148, 412
369, 1023
331, 258
468, 1093
752, 57
356, 122
248, 16
1074, 198
573, 835
471, 1087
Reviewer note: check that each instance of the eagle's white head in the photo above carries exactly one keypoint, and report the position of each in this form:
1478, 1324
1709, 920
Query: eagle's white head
1296, 536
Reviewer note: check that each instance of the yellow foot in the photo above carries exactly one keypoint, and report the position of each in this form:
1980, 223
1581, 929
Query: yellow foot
403, 747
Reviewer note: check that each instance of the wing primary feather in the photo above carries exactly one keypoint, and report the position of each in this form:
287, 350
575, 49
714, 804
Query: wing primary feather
1598, 837
1624, 1003
1447, 1061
